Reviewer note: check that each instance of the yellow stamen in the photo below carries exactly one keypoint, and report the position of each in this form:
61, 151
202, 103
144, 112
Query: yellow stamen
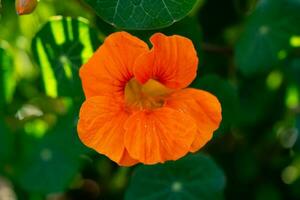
150, 95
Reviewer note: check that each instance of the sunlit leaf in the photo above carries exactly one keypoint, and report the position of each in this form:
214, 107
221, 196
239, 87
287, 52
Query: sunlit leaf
7, 76
60, 48
190, 178
266, 38
142, 14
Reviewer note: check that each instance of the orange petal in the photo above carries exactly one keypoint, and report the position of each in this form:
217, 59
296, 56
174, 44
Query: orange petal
101, 127
203, 107
110, 67
126, 160
159, 135
172, 61
25, 6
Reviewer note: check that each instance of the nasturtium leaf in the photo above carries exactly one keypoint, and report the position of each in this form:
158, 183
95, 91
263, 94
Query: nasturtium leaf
192, 177
142, 14
266, 38
54, 161
51, 170
7, 76
60, 48
225, 92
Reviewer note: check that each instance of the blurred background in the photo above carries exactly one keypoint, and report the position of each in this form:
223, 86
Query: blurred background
249, 54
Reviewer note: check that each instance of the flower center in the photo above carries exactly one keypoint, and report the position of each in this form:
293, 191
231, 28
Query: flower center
150, 95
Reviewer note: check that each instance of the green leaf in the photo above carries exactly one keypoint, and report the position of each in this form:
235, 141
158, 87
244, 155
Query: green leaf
192, 177
142, 14
7, 76
226, 94
60, 48
266, 39
53, 162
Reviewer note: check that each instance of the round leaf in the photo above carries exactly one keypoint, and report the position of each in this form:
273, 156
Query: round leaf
142, 14
60, 48
51, 170
190, 178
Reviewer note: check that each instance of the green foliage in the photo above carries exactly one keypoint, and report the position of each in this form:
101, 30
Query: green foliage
7, 76
266, 39
58, 152
142, 14
60, 48
193, 177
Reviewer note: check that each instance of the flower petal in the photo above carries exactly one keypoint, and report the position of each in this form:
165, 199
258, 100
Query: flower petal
159, 135
172, 61
110, 67
101, 127
203, 107
126, 160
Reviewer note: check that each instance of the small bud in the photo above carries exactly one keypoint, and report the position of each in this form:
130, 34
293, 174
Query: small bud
25, 6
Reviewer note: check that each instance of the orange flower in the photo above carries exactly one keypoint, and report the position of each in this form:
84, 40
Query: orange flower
137, 109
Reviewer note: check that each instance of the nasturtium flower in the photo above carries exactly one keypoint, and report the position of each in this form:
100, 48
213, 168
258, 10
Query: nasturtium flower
137, 106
